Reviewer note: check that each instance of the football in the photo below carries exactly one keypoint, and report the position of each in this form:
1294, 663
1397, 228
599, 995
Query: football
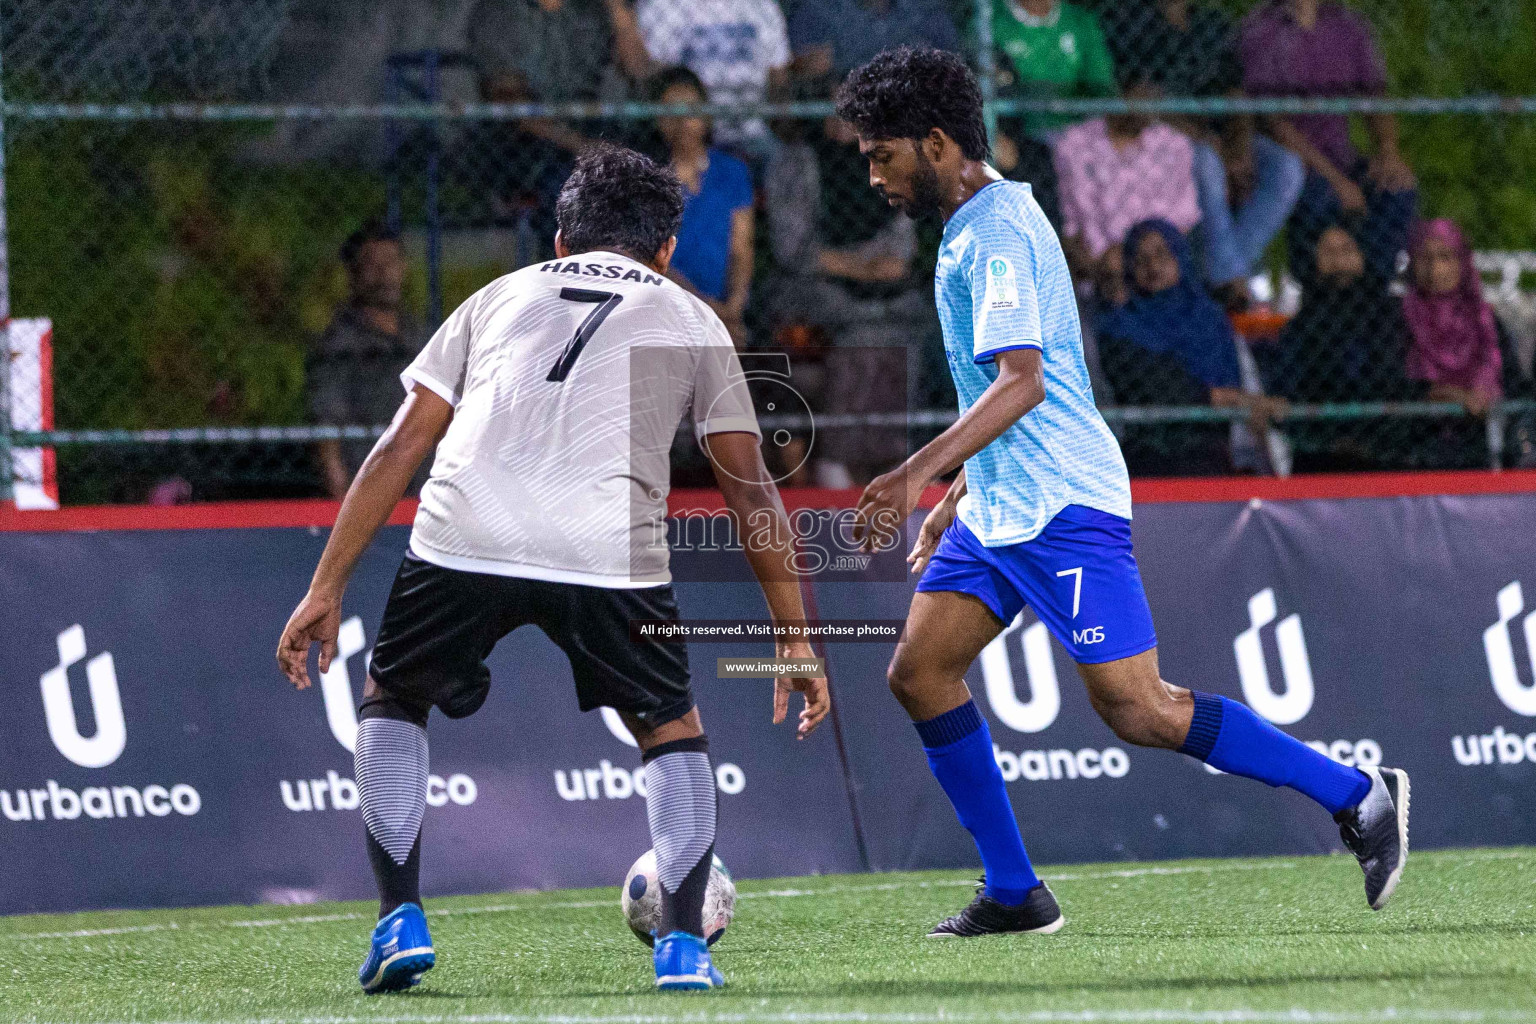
641, 899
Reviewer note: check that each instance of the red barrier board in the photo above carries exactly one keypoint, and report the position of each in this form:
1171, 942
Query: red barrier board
322, 513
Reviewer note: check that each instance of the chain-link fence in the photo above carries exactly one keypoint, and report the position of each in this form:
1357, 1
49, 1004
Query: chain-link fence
1238, 187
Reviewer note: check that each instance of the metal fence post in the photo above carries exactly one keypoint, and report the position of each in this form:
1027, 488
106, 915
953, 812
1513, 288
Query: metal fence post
1496, 424
986, 65
428, 89
7, 474
434, 210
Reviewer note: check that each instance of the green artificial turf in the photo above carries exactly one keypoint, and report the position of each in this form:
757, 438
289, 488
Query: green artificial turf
1283, 940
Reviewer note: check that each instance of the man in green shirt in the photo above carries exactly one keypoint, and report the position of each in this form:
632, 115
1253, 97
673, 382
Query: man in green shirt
1056, 49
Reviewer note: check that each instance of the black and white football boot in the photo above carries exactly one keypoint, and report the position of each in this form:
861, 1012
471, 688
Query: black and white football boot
985, 916
1376, 832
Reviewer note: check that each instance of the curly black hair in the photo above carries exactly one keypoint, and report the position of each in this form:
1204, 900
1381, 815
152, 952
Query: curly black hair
621, 200
904, 93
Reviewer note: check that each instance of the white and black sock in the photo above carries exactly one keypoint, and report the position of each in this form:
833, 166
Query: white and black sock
391, 767
681, 805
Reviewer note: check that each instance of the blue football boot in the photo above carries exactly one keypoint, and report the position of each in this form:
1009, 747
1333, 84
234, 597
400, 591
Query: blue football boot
682, 963
401, 951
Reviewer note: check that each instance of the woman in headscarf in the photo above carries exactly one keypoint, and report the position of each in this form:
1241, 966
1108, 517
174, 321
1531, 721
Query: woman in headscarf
1455, 344
1460, 350
1169, 343
1345, 344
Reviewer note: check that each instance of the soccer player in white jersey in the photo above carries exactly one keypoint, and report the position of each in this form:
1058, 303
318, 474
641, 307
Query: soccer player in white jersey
551, 398
1040, 513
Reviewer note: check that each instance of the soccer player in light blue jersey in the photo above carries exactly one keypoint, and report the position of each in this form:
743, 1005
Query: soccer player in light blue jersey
1039, 514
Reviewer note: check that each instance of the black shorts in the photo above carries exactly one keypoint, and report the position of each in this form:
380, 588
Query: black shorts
440, 625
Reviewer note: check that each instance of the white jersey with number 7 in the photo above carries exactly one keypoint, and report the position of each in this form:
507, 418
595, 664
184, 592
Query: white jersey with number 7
569, 379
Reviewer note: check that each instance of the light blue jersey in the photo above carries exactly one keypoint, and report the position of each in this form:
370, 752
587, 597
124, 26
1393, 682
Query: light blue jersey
1002, 283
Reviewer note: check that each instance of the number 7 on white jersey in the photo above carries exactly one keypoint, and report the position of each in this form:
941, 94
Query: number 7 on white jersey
606, 302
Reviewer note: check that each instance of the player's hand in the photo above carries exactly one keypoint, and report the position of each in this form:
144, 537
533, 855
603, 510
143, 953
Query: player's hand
818, 701
928, 537
886, 503
316, 619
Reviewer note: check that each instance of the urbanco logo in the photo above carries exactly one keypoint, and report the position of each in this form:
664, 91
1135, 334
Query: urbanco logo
1292, 703
615, 782
104, 747
111, 735
1500, 649
1039, 712
336, 684
1044, 704
341, 716
1502, 746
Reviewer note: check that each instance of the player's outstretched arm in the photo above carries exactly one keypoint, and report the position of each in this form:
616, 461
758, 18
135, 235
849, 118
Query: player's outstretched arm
751, 495
1019, 387
380, 483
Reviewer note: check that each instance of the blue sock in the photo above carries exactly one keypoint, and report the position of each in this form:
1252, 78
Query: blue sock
959, 749
1227, 735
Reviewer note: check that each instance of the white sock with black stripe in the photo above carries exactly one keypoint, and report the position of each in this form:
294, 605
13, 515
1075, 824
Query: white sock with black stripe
391, 768
681, 805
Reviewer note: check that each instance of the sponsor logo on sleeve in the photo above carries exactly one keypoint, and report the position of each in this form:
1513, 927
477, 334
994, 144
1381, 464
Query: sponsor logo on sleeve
1002, 285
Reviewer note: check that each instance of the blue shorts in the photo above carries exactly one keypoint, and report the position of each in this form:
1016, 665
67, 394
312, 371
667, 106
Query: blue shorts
1079, 575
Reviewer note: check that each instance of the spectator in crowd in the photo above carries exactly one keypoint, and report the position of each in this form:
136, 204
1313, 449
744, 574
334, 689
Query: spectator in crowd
738, 48
1248, 183
714, 245
1054, 49
844, 266
1188, 48
1345, 344
1455, 346
1320, 48
1113, 172
1165, 341
832, 37
555, 51
354, 368
551, 51
1047, 48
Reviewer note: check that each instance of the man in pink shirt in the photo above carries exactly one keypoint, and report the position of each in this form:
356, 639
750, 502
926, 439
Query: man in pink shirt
1114, 172
1321, 48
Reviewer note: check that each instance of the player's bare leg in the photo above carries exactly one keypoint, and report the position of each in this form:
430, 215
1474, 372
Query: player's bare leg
681, 805
1134, 701
945, 633
1371, 805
